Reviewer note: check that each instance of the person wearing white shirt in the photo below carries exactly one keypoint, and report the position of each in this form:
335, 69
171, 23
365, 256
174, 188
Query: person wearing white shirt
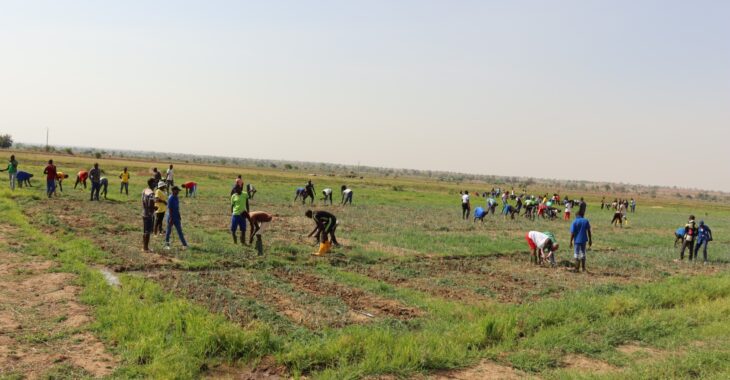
465, 205
545, 243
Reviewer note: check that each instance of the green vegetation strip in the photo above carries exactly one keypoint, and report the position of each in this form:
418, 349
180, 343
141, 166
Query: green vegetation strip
157, 334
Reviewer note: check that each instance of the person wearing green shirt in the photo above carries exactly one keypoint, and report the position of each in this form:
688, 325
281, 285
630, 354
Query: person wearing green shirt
239, 210
12, 170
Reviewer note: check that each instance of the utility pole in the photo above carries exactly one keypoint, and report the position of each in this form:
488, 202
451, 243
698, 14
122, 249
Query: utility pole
47, 138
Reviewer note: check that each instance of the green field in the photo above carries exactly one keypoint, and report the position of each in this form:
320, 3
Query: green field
413, 292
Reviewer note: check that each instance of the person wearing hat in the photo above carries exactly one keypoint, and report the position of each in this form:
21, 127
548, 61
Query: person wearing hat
174, 219
160, 206
704, 236
544, 242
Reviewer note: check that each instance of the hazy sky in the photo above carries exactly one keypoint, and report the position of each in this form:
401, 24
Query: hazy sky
632, 91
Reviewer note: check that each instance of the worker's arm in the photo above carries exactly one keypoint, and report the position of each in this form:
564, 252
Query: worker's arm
247, 208
590, 238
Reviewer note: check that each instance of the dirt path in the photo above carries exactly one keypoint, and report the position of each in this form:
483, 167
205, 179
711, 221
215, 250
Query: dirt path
43, 327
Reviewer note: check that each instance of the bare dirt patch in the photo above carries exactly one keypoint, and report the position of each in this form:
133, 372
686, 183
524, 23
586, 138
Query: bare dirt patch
586, 364
41, 323
362, 304
642, 353
267, 368
484, 370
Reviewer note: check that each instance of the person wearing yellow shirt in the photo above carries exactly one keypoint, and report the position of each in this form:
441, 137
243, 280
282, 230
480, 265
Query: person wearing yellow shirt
160, 207
124, 176
60, 176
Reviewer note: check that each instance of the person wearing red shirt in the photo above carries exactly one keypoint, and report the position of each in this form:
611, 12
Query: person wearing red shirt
81, 177
191, 189
50, 172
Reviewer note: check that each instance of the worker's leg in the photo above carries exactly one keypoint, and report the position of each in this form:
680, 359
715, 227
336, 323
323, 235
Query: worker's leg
178, 228
332, 234
234, 227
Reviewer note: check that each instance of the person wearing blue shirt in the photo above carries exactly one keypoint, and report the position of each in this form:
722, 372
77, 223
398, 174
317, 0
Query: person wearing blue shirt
580, 234
479, 214
704, 236
678, 236
173, 210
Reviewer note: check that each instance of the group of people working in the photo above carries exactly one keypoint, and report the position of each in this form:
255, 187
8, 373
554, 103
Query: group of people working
307, 192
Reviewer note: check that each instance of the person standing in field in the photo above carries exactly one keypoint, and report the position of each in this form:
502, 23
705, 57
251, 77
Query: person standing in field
603, 202
465, 205
51, 174
239, 210
170, 177
160, 207
327, 196
148, 213
191, 189
81, 177
12, 170
95, 178
60, 177
124, 187
690, 233
157, 176
568, 210
325, 226
633, 205
174, 218
582, 207
257, 219
346, 195
704, 236
545, 243
580, 234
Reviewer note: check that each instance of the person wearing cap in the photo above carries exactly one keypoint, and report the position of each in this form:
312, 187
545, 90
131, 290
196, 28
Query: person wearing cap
239, 210
124, 187
148, 213
174, 218
160, 206
704, 236
543, 242
465, 205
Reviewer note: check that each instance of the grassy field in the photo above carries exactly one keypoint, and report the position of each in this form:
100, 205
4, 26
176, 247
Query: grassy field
413, 292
